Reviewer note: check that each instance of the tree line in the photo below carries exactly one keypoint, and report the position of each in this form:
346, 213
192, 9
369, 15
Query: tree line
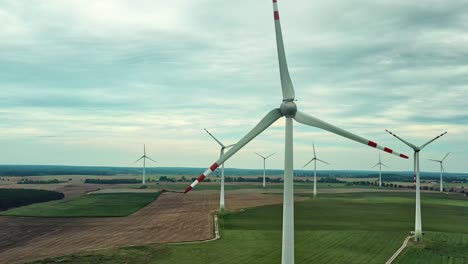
10, 198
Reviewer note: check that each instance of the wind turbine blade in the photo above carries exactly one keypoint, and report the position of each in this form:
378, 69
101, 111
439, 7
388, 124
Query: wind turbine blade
442, 166
139, 159
259, 155
312, 121
323, 161
445, 156
434, 160
384, 165
267, 121
151, 159
313, 146
144, 150
286, 84
380, 161
228, 146
308, 163
402, 140
270, 155
375, 165
430, 141
221, 144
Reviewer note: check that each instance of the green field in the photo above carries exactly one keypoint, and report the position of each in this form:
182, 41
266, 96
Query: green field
237, 186
336, 228
92, 205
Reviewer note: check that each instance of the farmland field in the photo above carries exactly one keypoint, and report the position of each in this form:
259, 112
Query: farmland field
93, 205
336, 228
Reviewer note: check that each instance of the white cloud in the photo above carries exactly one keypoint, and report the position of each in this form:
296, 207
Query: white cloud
105, 76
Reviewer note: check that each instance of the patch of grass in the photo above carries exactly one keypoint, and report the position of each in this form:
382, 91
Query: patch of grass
92, 205
135, 254
336, 228
437, 248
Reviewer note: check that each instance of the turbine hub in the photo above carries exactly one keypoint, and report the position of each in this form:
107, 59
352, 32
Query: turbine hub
288, 108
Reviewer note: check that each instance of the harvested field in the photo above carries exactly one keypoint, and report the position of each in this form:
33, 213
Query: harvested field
173, 217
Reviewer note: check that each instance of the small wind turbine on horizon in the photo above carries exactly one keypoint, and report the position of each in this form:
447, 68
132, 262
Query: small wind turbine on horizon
417, 221
380, 170
315, 159
264, 166
441, 170
287, 109
223, 147
144, 157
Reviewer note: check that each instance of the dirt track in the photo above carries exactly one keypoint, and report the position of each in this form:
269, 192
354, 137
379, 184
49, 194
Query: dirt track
172, 217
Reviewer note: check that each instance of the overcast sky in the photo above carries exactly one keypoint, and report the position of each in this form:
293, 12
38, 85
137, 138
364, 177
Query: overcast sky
89, 82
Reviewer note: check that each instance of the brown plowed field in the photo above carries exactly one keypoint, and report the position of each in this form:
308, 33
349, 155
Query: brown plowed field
173, 217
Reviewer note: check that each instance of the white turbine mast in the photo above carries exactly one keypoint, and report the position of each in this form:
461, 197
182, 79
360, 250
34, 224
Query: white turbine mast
380, 170
441, 171
417, 221
287, 109
144, 157
264, 165
223, 147
315, 159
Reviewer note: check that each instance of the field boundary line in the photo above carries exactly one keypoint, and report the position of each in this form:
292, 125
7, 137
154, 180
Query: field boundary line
399, 250
216, 233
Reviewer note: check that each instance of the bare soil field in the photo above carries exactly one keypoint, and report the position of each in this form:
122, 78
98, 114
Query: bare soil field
173, 217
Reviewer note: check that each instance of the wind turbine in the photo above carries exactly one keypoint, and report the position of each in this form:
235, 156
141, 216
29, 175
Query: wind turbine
144, 157
264, 161
380, 170
287, 109
315, 169
417, 221
221, 197
441, 170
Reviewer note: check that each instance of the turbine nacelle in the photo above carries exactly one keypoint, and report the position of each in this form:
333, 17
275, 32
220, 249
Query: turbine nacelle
288, 108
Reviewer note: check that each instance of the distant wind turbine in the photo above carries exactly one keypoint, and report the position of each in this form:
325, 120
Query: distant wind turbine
264, 166
380, 170
441, 170
144, 157
221, 197
289, 110
417, 221
315, 159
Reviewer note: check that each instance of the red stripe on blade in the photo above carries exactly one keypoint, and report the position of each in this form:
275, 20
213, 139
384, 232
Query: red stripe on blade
201, 178
276, 15
188, 189
403, 156
274, 1
372, 144
388, 150
214, 166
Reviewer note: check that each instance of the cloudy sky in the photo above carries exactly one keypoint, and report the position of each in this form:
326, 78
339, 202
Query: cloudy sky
89, 82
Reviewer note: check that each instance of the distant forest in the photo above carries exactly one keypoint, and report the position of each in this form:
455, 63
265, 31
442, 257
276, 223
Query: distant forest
42, 170
10, 198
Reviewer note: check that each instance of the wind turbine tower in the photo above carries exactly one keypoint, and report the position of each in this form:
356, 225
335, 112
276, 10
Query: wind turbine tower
144, 157
223, 147
441, 170
264, 167
380, 170
315, 159
417, 220
289, 110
